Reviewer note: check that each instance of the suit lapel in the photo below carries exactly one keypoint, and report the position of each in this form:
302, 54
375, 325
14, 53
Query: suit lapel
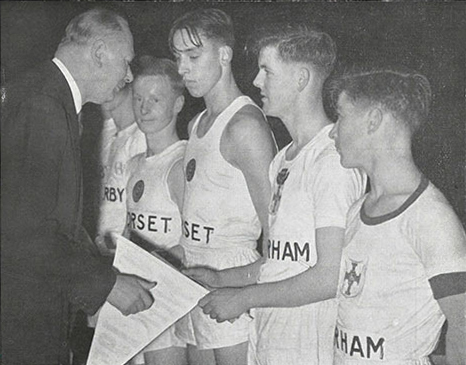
74, 127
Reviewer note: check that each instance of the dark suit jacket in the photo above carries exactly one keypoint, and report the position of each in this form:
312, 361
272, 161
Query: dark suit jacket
46, 268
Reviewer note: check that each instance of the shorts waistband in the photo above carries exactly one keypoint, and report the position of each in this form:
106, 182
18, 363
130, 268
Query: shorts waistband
241, 246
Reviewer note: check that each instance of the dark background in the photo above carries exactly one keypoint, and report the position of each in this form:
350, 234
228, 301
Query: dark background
429, 37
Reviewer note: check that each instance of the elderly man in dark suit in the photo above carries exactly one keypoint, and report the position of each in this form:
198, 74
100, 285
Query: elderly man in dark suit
49, 266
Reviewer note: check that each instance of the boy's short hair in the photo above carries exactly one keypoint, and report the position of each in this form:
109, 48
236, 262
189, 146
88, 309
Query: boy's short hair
209, 23
297, 43
152, 66
405, 94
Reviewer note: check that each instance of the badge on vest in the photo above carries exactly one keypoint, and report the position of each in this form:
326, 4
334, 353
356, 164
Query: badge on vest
353, 281
190, 169
138, 190
277, 196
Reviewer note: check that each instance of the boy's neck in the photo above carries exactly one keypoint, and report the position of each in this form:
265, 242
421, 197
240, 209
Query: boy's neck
221, 96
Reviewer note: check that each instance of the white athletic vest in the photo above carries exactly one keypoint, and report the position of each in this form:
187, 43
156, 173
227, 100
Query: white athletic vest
218, 210
295, 211
386, 307
152, 213
117, 148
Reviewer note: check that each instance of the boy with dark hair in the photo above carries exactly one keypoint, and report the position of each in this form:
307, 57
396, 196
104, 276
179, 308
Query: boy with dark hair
403, 267
226, 164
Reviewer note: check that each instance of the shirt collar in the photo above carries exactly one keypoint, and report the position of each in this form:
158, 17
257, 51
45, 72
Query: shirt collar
77, 98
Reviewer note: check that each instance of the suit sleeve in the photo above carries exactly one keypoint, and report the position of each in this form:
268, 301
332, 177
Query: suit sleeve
37, 138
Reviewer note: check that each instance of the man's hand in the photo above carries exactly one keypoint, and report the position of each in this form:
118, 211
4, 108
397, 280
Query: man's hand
105, 245
224, 304
205, 276
131, 294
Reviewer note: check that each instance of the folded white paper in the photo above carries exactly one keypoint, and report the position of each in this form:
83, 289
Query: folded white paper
118, 338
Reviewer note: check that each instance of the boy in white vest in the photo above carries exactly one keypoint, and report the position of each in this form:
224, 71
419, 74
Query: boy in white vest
226, 187
155, 187
403, 267
121, 140
311, 193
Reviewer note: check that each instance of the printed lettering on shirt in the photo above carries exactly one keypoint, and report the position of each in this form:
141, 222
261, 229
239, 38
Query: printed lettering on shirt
119, 168
289, 251
112, 194
355, 275
277, 195
197, 232
359, 346
149, 222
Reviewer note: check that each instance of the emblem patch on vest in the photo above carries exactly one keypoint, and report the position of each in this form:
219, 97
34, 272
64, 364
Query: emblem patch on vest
190, 169
277, 196
138, 190
353, 281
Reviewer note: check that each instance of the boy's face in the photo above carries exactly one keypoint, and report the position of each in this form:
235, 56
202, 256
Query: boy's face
275, 80
349, 132
199, 66
155, 103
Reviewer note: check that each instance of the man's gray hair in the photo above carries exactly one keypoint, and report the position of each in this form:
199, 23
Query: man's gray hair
91, 24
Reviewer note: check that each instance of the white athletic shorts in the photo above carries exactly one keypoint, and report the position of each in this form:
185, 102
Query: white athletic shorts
166, 339
200, 330
298, 336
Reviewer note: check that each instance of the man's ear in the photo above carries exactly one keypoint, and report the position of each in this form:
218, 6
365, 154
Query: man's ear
375, 117
226, 55
98, 52
304, 77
